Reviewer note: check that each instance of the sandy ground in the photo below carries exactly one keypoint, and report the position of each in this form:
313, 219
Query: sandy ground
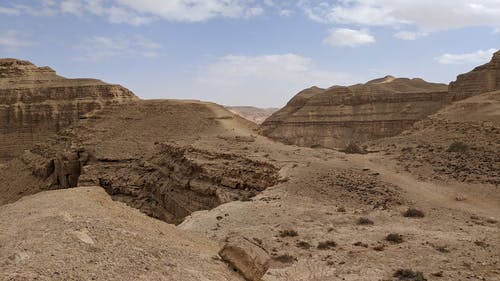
321, 196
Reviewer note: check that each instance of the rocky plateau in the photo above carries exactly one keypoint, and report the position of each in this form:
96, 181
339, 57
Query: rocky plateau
97, 184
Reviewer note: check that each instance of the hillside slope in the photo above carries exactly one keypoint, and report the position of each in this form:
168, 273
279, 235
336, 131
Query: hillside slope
81, 234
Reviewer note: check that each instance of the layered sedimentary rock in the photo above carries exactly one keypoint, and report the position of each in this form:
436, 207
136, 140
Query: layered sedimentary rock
337, 116
484, 78
35, 103
177, 181
148, 154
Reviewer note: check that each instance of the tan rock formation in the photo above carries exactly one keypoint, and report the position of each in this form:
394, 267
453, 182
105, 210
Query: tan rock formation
35, 103
337, 116
142, 154
484, 78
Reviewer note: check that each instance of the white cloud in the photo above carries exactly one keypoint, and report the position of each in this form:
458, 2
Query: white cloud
11, 41
409, 35
267, 80
191, 10
100, 47
427, 15
9, 11
285, 13
348, 37
477, 57
42, 8
138, 12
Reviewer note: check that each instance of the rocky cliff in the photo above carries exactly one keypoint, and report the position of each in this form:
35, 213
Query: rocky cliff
381, 108
484, 78
150, 155
35, 103
336, 116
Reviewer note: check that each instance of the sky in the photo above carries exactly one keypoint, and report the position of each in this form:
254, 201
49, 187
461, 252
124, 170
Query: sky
249, 52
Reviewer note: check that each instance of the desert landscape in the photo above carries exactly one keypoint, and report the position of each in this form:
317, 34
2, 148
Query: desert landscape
395, 179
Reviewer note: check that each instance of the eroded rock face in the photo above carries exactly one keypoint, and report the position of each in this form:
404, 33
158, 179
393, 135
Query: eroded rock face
337, 116
35, 103
177, 181
482, 79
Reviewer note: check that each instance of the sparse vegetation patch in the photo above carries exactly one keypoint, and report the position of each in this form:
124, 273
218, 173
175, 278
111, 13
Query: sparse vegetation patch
408, 274
325, 245
413, 213
288, 233
365, 221
353, 148
303, 245
458, 146
395, 238
285, 258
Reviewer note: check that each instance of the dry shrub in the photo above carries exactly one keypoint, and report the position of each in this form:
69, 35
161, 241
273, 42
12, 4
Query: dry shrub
365, 221
288, 233
408, 274
285, 258
413, 213
353, 148
458, 146
395, 238
325, 245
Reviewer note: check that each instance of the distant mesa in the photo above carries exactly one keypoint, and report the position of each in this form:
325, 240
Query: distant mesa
382, 107
337, 116
254, 114
35, 103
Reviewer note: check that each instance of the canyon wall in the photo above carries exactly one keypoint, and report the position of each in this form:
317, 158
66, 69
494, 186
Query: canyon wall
35, 103
337, 116
482, 79
383, 107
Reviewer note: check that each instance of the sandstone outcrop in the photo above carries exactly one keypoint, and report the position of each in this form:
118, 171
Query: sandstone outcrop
35, 103
337, 116
484, 78
247, 258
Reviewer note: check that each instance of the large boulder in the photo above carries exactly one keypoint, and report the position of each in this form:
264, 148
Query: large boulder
246, 257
